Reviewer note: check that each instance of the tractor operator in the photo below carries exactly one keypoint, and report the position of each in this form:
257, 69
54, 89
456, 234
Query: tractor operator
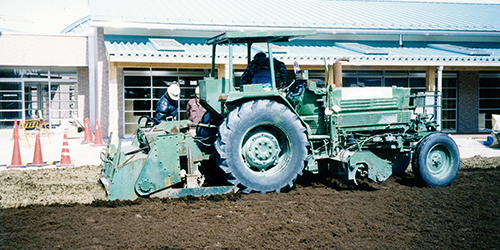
166, 108
259, 72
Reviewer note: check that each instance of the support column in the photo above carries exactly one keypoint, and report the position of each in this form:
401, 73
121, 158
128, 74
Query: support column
329, 77
83, 93
440, 100
92, 86
430, 86
221, 71
468, 102
113, 109
103, 94
430, 79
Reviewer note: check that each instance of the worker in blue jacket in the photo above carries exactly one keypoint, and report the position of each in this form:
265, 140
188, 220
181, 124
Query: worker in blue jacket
259, 71
167, 106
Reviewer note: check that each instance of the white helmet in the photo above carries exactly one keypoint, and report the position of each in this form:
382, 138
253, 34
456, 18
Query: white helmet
174, 92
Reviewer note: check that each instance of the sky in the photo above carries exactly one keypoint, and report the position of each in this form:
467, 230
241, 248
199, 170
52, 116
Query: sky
52, 16
41, 16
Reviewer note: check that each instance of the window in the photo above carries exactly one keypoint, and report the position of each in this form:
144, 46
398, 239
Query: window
143, 88
489, 99
449, 103
11, 101
27, 93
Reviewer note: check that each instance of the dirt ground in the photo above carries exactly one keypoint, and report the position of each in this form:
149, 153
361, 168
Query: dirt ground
63, 209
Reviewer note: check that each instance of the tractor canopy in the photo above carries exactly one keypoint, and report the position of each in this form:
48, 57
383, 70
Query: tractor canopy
259, 37
216, 93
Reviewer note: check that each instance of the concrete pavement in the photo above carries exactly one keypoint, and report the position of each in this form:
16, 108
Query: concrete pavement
472, 145
51, 147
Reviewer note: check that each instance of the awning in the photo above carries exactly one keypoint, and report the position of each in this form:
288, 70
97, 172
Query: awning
310, 52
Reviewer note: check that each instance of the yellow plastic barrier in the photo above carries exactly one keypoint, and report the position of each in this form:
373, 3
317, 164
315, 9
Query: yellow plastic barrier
37, 123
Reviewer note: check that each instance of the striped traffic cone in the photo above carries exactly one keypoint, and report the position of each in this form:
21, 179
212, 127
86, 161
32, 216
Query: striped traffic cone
88, 132
65, 158
16, 161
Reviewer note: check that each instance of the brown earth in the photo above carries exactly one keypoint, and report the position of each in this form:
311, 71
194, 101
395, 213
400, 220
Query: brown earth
55, 208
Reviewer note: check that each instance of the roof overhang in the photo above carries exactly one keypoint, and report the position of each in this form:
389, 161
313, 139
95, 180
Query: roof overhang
169, 27
308, 52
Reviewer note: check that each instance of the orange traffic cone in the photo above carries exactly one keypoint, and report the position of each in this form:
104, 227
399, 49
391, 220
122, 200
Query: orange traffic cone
88, 132
37, 156
98, 136
16, 161
65, 158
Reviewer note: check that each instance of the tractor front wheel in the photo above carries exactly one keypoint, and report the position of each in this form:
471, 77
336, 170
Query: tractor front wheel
262, 147
436, 160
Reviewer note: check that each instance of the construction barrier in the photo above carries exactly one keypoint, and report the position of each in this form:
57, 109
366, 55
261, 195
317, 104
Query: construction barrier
37, 123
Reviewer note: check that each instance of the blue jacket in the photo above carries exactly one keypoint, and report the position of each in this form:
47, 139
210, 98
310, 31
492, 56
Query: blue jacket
165, 108
260, 64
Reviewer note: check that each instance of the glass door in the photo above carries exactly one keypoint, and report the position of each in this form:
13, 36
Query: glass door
36, 96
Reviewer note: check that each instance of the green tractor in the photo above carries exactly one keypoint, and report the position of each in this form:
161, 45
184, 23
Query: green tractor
261, 140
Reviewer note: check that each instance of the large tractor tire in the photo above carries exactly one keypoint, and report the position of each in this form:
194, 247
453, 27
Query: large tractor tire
436, 160
262, 147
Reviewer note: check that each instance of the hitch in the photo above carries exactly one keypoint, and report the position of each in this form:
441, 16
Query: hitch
163, 161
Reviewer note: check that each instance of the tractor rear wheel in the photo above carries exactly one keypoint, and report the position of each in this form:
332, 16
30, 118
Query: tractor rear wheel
436, 160
262, 147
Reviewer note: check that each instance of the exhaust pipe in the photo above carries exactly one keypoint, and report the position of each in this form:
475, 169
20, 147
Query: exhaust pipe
337, 71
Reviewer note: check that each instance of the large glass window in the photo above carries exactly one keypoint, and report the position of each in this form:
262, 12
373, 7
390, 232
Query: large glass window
50, 94
489, 99
11, 100
143, 88
449, 103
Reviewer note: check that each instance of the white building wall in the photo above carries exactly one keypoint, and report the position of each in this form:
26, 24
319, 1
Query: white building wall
43, 50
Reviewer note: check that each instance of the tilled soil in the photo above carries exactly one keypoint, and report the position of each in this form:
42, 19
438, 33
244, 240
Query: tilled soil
63, 209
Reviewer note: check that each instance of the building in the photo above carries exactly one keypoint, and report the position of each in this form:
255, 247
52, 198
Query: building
40, 75
134, 48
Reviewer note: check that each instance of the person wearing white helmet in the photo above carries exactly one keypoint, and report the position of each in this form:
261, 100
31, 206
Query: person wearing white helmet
167, 106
